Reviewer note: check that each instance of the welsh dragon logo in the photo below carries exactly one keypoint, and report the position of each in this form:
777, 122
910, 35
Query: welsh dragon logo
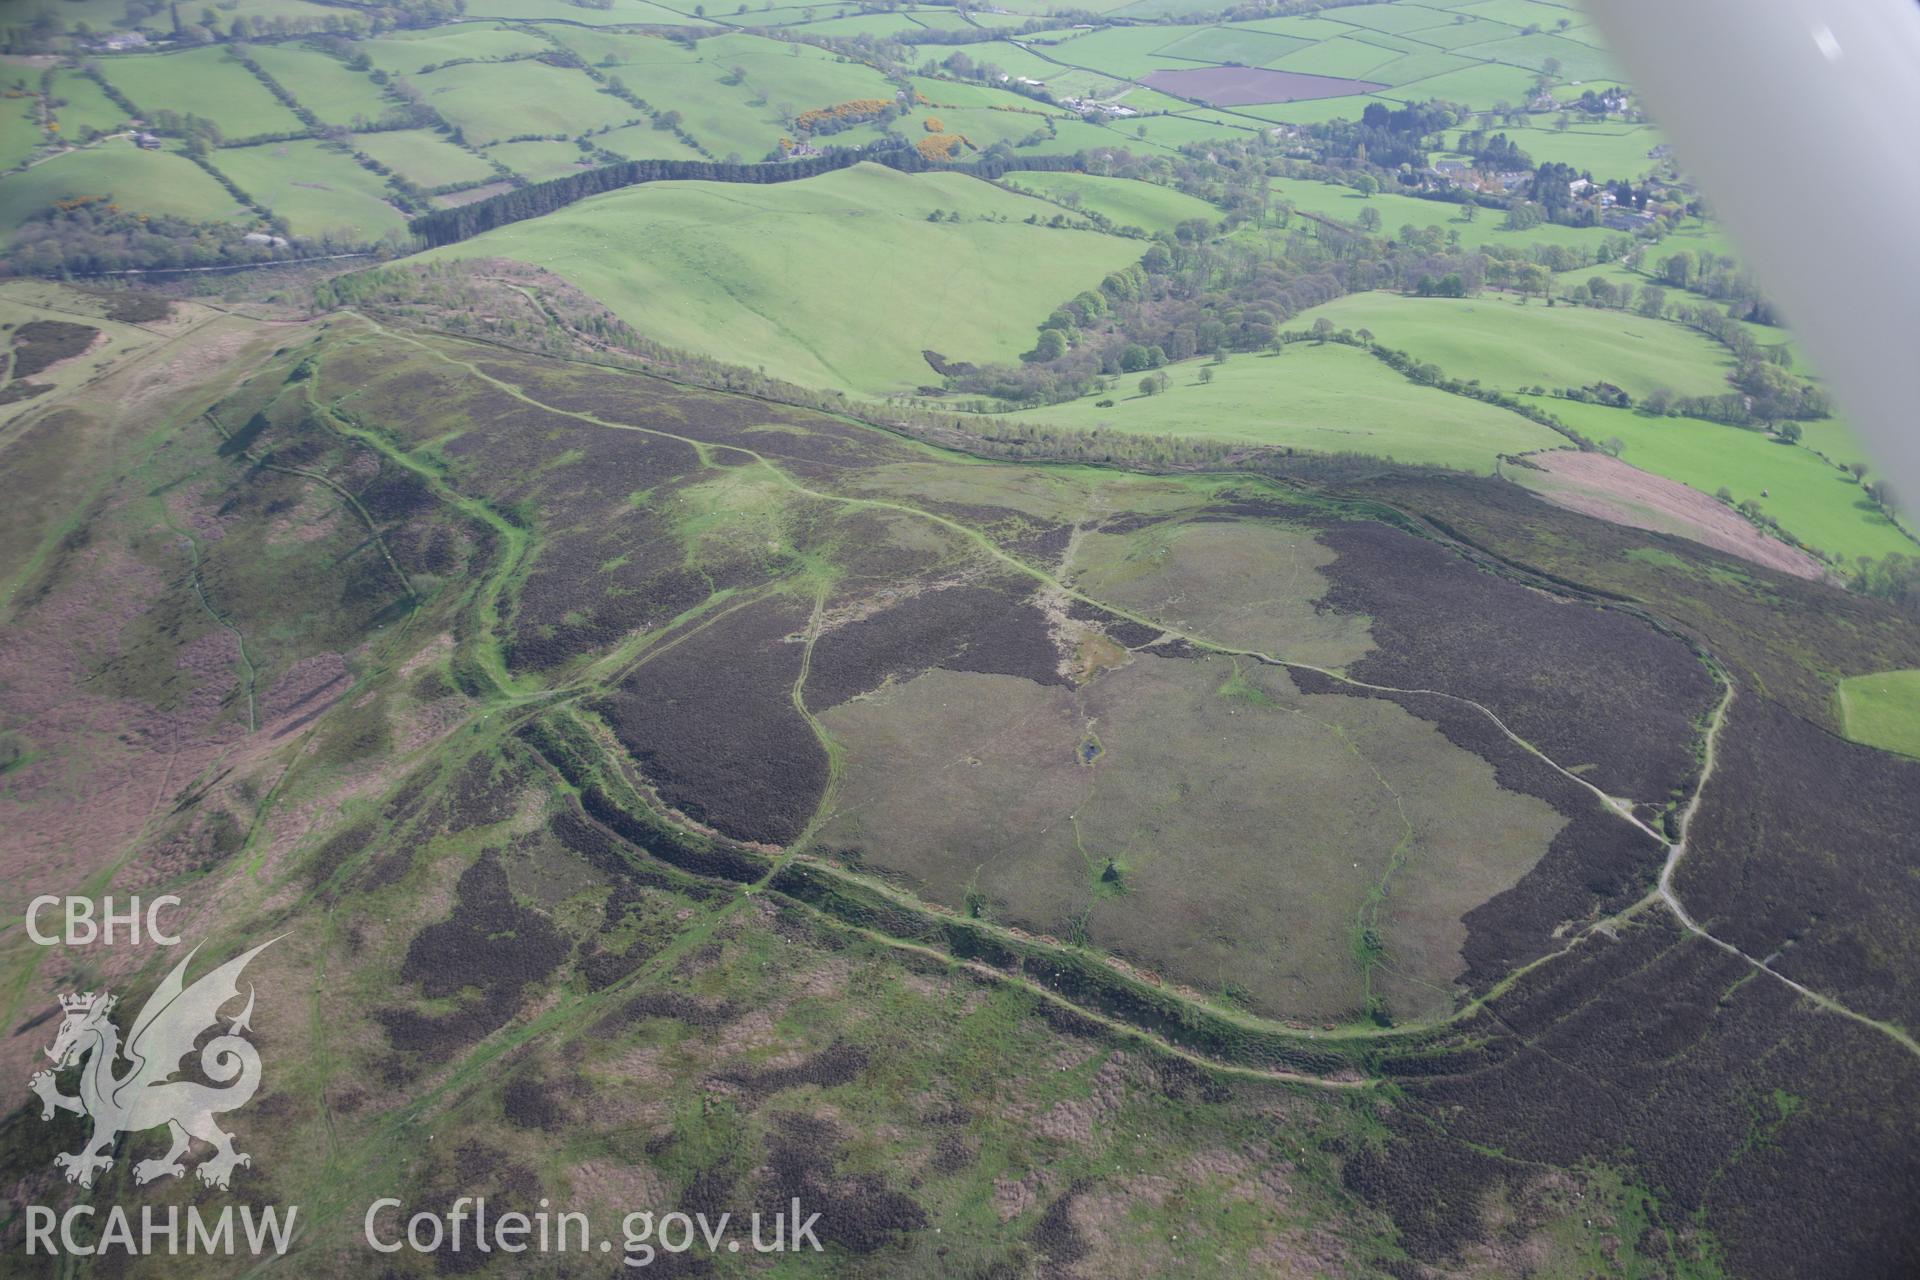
144, 1096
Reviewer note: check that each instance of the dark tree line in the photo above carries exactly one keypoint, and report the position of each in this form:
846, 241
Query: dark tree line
449, 226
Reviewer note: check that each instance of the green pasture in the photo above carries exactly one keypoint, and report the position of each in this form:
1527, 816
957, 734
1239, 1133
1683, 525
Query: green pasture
959, 93
1479, 86
790, 76
1510, 345
323, 85
1424, 65
1125, 202
644, 142
20, 132
541, 161
1190, 124
1518, 13
159, 182
1577, 62
108, 15
1126, 53
491, 102
1232, 44
1388, 17
1326, 398
839, 280
1311, 110
617, 13
85, 106
202, 82
1343, 204
1386, 40
1459, 31
318, 190
1605, 150
405, 53
1882, 710
423, 157
1311, 29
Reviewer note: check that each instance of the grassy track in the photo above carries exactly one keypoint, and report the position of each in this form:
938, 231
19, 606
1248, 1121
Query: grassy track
1618, 808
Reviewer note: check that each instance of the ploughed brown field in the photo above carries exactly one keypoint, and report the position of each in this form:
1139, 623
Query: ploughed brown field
1245, 86
1596, 485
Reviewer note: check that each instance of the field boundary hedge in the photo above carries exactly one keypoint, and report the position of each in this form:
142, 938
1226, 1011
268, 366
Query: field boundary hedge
450, 226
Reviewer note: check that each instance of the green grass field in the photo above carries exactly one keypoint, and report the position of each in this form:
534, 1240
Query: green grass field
109, 14
1509, 345
20, 132
423, 156
950, 93
1313, 110
1813, 500
539, 161
1424, 65
644, 142
1478, 86
1326, 398
1454, 34
1882, 710
733, 92
144, 181
84, 107
1606, 150
980, 126
1577, 62
797, 75
202, 82
405, 54
491, 102
323, 85
834, 281
1388, 17
1126, 203
319, 191
1343, 204
1231, 44
615, 13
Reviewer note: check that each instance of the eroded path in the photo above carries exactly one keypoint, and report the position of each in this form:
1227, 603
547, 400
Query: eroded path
1622, 810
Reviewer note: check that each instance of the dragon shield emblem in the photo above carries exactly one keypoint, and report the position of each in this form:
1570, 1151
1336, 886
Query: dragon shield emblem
126, 1088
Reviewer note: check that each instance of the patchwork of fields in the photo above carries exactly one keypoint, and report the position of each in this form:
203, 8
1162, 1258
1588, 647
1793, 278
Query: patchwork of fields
1103, 686
1013, 762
